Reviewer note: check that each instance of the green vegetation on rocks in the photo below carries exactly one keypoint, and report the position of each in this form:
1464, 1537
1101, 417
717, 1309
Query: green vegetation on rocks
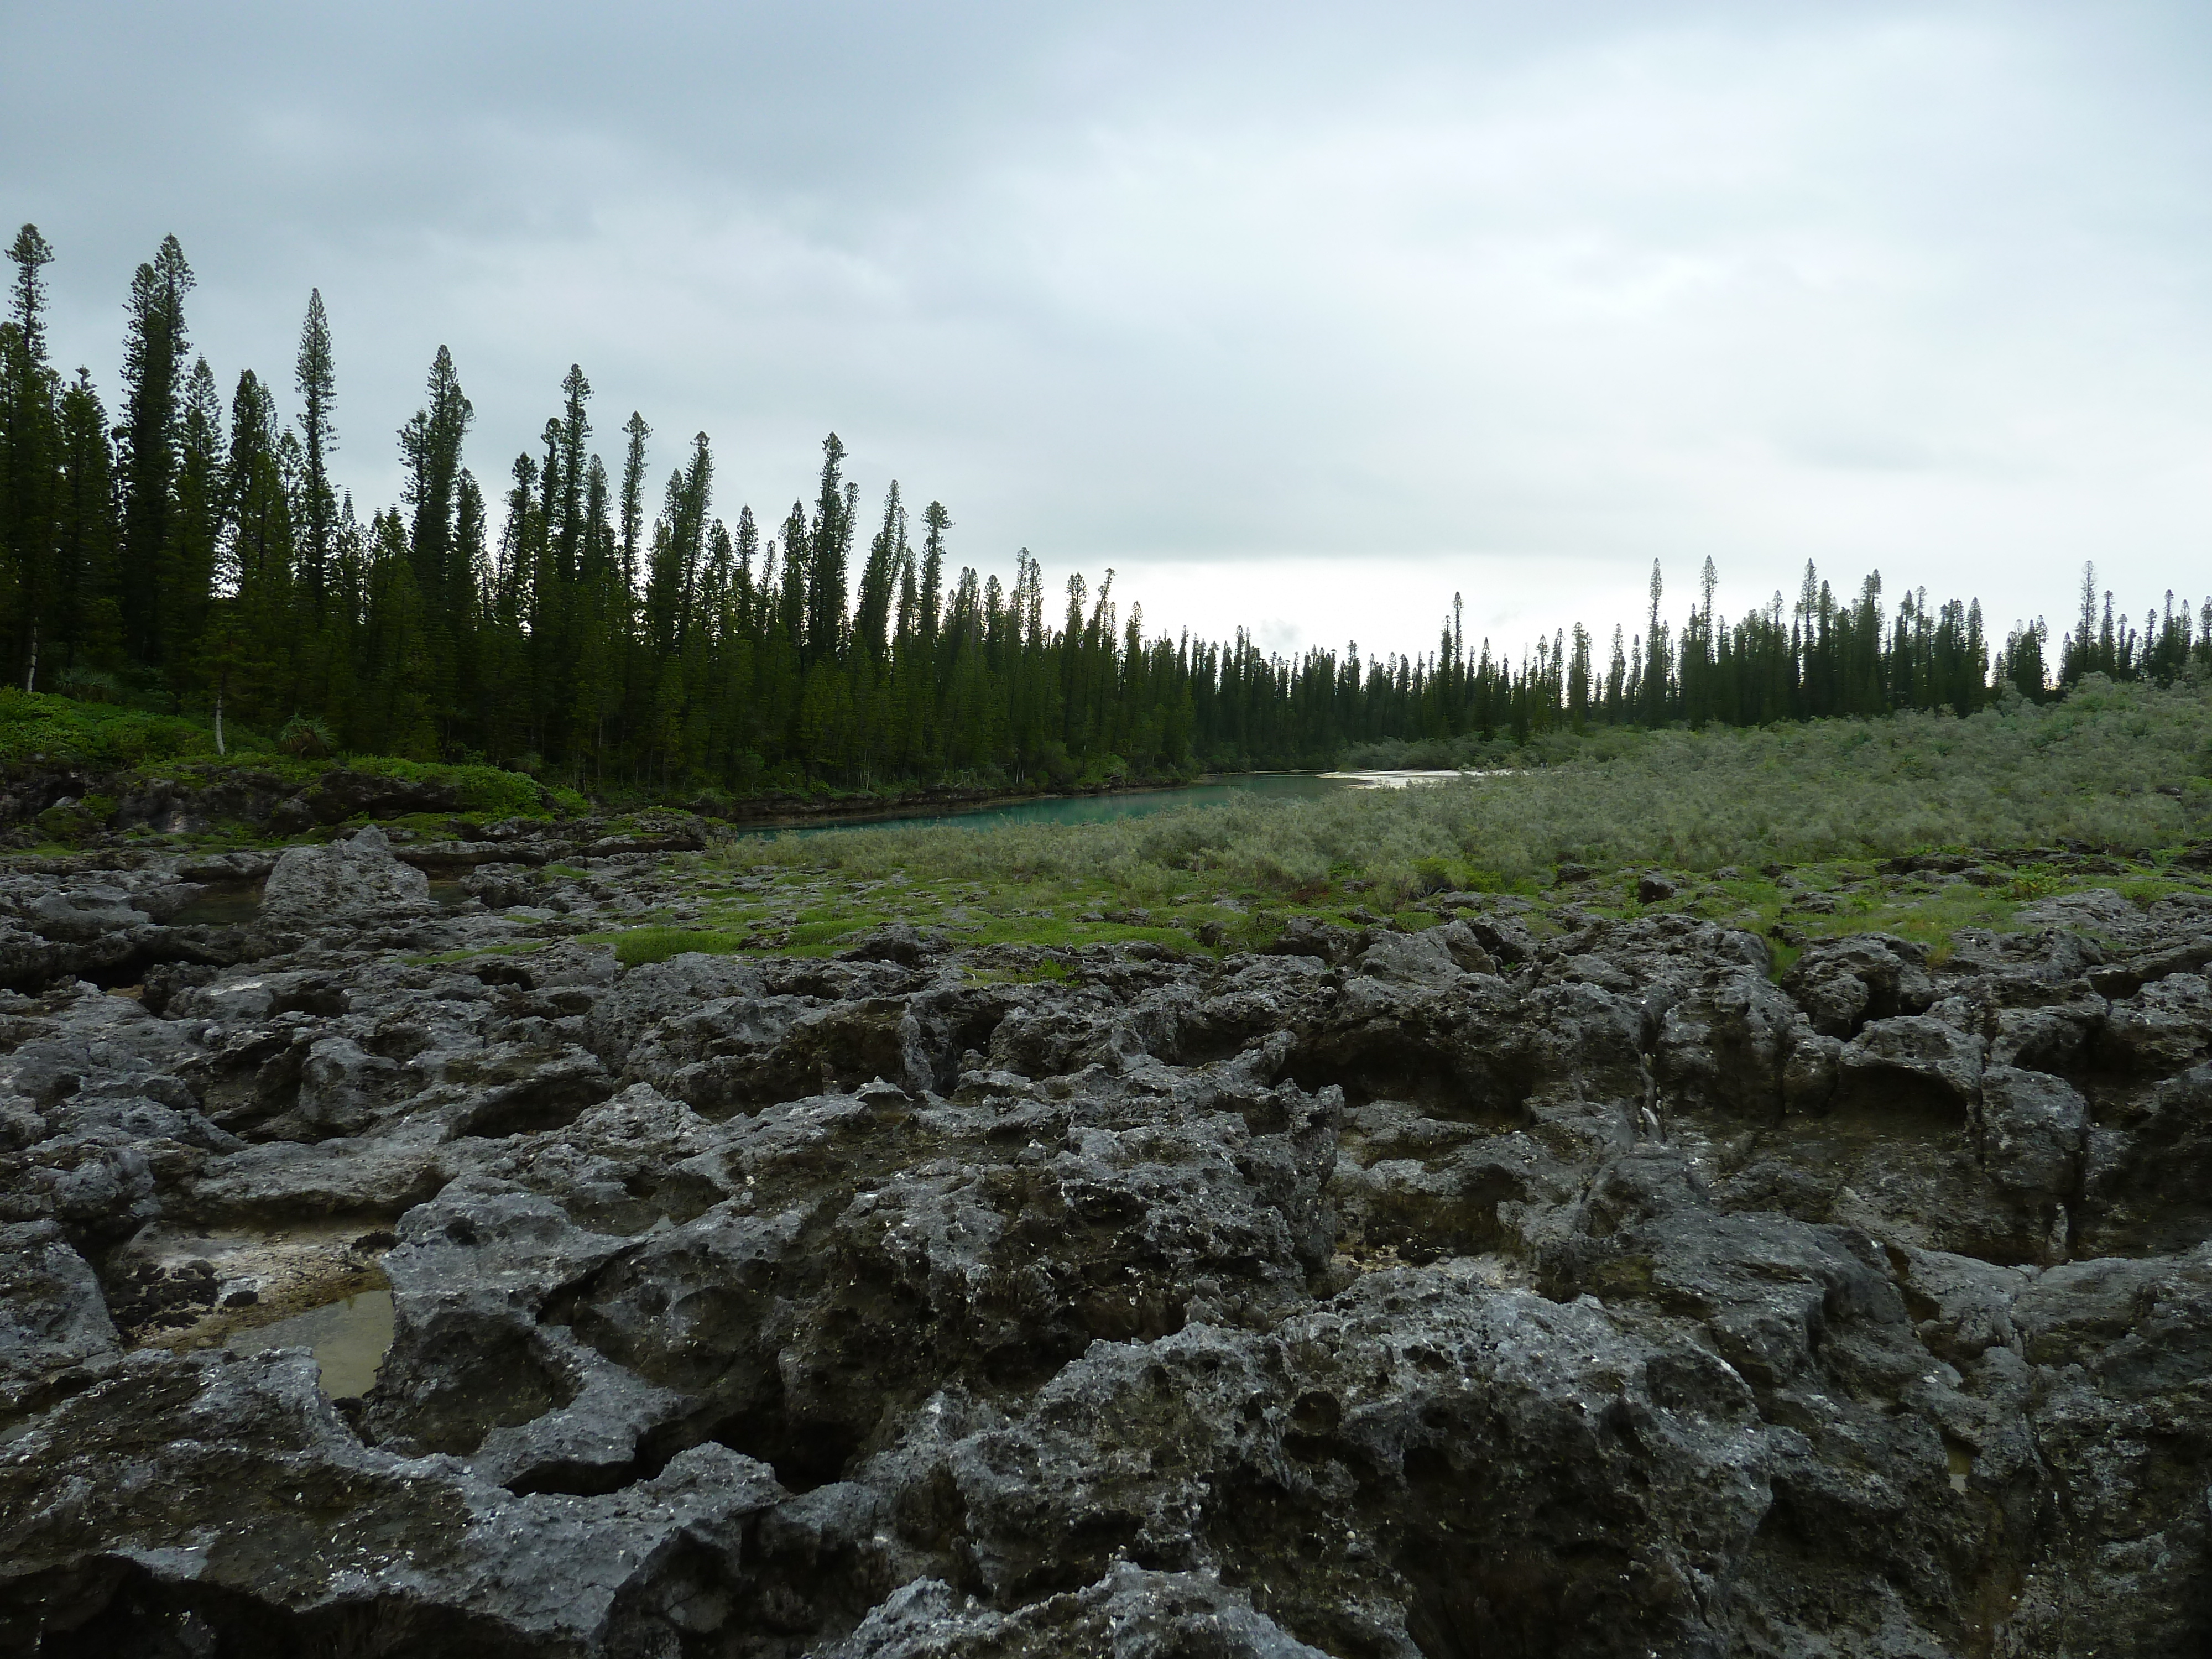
38, 729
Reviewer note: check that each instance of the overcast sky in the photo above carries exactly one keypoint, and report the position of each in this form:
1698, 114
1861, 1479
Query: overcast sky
1301, 316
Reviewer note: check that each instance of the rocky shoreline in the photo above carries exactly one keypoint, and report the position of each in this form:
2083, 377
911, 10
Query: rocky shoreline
1519, 1286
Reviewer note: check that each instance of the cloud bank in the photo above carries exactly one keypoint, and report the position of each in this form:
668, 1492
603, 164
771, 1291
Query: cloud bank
1296, 321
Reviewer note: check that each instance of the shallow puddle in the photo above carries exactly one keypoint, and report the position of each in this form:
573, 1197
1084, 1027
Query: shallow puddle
15, 1428
227, 907
350, 1340
1960, 1462
231, 1290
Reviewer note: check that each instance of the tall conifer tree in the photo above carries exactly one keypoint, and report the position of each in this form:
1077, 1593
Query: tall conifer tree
935, 522
430, 446
635, 431
256, 578
153, 371
86, 620
886, 553
316, 378
29, 444
830, 542
576, 432
202, 505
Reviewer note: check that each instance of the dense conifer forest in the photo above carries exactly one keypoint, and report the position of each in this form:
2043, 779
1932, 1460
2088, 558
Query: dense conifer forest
614, 628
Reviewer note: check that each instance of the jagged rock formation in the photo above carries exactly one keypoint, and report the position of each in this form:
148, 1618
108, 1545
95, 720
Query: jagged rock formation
1495, 1290
353, 880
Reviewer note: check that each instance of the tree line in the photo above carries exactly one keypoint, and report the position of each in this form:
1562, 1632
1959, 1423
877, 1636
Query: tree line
197, 556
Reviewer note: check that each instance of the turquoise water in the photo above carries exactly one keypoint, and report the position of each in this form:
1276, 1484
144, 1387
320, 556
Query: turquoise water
1104, 809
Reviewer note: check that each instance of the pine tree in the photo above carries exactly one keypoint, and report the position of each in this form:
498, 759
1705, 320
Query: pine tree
196, 533
678, 543
153, 369
935, 522
633, 496
871, 618
1578, 680
2077, 653
830, 544
792, 600
29, 442
430, 447
316, 378
574, 468
256, 571
1658, 664
398, 667
84, 616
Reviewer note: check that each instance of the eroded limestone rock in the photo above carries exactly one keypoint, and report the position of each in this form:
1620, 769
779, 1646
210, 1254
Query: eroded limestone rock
1510, 1288
352, 880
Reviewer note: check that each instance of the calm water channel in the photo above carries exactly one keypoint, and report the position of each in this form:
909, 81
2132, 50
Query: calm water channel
1128, 804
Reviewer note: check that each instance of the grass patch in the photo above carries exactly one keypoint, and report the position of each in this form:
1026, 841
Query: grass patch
1928, 919
473, 952
1046, 970
818, 911
639, 945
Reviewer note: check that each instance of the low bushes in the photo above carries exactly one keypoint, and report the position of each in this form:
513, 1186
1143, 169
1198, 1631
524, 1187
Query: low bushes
2122, 767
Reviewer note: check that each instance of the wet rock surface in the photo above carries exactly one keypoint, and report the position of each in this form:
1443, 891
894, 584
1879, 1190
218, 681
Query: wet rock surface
1508, 1288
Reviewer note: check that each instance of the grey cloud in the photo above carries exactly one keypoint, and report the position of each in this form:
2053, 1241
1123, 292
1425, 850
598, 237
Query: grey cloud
1382, 304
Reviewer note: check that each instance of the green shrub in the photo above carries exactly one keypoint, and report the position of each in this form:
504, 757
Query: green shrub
485, 789
90, 685
66, 825
39, 729
308, 738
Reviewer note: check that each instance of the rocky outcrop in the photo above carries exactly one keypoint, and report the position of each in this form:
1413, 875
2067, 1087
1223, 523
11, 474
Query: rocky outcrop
63, 923
1520, 1286
352, 880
